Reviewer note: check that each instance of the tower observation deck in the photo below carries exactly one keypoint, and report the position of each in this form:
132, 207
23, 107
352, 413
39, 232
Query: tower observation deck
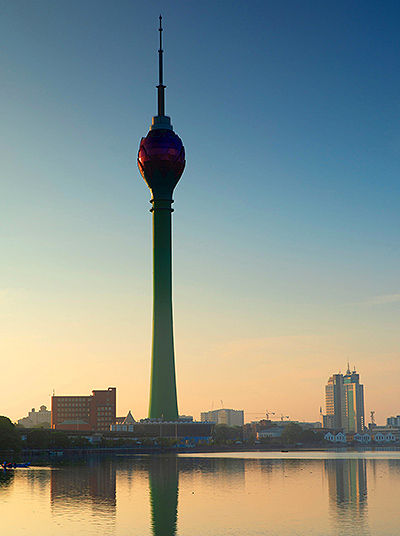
161, 161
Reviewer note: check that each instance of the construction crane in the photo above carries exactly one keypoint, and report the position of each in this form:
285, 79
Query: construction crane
268, 413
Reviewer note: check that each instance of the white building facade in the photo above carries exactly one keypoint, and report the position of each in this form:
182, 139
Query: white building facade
230, 417
36, 418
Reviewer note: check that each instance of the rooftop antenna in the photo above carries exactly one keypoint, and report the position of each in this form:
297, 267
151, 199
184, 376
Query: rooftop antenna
373, 418
160, 87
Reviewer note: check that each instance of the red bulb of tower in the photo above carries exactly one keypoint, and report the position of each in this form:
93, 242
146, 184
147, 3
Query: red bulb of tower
161, 161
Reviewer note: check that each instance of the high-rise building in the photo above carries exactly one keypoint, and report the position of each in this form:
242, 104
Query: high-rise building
353, 407
334, 402
230, 417
94, 413
161, 161
344, 401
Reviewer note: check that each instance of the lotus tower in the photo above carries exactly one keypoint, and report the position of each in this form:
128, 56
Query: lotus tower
161, 161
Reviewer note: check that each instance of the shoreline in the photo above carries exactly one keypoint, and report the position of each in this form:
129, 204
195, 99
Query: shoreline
59, 455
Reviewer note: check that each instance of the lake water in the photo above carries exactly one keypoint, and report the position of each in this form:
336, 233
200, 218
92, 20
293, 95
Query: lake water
244, 494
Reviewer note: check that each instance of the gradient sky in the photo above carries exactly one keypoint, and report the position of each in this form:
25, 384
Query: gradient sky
286, 222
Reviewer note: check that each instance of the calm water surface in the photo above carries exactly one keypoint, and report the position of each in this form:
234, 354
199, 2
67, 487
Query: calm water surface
244, 494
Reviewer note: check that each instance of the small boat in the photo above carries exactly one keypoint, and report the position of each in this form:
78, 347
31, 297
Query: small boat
10, 465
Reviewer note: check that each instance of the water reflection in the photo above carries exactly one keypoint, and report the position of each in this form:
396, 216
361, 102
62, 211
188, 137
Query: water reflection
163, 483
85, 491
95, 485
6, 478
168, 495
347, 486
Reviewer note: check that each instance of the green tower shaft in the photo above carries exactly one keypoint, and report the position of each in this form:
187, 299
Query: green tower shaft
163, 400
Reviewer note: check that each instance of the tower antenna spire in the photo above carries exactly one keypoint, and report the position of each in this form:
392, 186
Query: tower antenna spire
160, 87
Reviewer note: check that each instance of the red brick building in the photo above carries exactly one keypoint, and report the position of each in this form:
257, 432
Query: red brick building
93, 413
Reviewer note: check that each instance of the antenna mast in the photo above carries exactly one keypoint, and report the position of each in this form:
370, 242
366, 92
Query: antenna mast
372, 413
160, 87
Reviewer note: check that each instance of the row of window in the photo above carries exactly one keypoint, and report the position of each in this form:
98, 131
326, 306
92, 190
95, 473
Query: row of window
70, 413
71, 404
104, 409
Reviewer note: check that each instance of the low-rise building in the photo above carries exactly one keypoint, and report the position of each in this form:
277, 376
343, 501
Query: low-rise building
272, 432
384, 437
362, 437
36, 418
230, 417
393, 421
375, 431
123, 424
267, 428
335, 437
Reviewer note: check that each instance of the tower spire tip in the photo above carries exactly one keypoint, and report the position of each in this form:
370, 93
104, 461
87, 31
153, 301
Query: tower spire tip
160, 87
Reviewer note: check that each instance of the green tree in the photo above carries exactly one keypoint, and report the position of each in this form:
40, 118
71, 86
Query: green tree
59, 439
292, 433
47, 439
148, 442
166, 441
79, 441
38, 439
225, 435
308, 436
9, 436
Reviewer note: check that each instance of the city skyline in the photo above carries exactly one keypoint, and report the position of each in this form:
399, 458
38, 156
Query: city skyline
344, 409
286, 255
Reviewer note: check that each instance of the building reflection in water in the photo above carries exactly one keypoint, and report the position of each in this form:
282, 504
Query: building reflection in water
347, 484
93, 486
6, 478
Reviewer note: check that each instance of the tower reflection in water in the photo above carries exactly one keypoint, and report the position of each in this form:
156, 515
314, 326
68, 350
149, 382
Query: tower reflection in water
163, 483
347, 484
164, 474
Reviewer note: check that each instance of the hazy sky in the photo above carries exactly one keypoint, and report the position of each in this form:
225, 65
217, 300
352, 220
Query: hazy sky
287, 217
